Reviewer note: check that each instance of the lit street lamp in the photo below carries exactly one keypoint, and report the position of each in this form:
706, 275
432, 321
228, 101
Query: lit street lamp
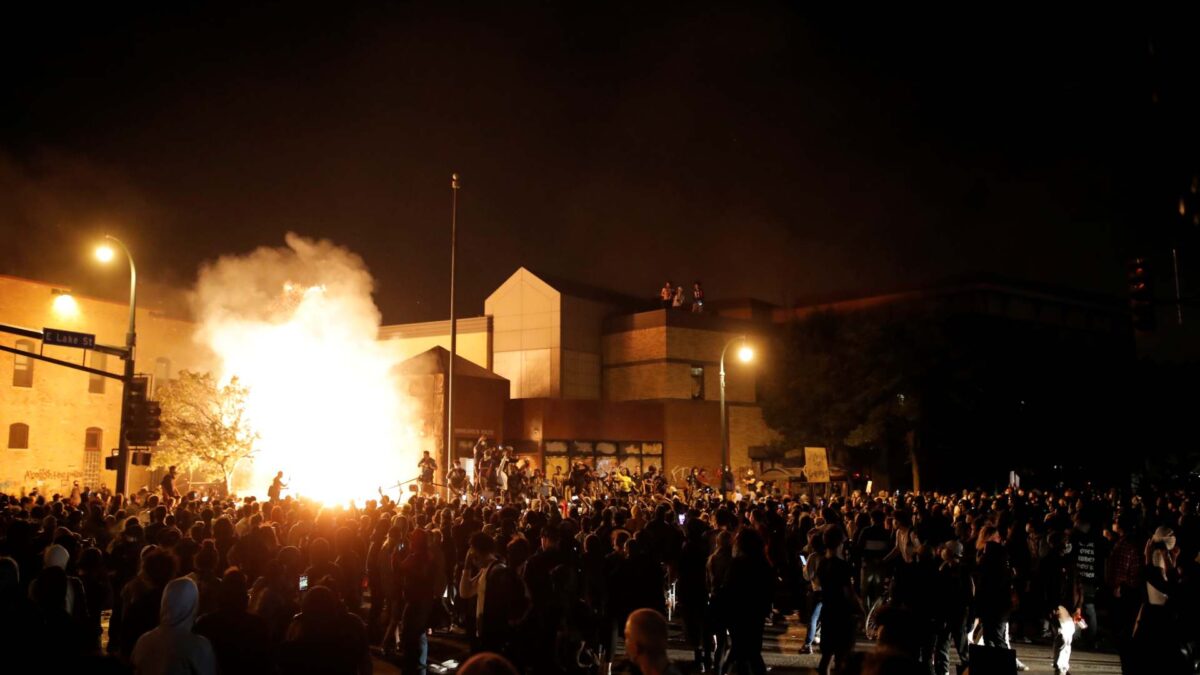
745, 354
105, 254
64, 304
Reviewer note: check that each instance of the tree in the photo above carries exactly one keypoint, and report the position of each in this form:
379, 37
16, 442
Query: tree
858, 380
204, 426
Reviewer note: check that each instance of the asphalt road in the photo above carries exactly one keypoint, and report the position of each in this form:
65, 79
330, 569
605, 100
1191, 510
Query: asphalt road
781, 651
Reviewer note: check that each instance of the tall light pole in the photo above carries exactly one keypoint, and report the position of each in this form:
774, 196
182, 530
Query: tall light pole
453, 333
105, 254
745, 355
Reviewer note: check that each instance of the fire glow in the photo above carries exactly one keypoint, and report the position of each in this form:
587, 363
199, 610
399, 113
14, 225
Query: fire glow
298, 327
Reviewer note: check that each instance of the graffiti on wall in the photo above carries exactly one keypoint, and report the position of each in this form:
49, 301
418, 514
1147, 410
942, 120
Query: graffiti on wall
49, 478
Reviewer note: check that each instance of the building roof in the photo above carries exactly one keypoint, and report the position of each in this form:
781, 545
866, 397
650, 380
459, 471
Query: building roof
472, 324
958, 284
584, 291
436, 360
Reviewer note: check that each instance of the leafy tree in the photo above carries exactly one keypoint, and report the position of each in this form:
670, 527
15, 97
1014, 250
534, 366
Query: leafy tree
858, 380
204, 425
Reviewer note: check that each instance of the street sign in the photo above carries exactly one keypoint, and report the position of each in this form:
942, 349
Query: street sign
67, 338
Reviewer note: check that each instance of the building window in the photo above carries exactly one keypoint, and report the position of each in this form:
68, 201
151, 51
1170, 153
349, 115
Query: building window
697, 383
93, 439
23, 365
18, 436
96, 382
162, 372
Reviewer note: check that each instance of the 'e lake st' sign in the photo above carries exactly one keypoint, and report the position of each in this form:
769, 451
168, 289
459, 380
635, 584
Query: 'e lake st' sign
67, 338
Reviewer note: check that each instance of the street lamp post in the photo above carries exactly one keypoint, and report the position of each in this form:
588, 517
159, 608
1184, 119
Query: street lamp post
453, 334
745, 354
105, 254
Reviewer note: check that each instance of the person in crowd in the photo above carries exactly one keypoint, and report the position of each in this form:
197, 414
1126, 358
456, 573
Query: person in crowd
424, 580
277, 487
1156, 639
1123, 575
815, 554
458, 479
141, 598
169, 493
204, 574
551, 580
97, 590
325, 638
427, 467
490, 583
953, 597
840, 603
273, 598
750, 587
666, 295
58, 630
677, 298
646, 642
697, 298
1065, 626
692, 591
487, 663
240, 640
994, 587
172, 647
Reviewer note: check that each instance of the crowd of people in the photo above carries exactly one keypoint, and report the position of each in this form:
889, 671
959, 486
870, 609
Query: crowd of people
165, 584
497, 473
672, 297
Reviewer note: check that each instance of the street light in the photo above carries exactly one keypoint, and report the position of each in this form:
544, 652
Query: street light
64, 304
745, 354
105, 254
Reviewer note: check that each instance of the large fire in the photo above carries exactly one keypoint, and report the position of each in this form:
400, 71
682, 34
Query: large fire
298, 327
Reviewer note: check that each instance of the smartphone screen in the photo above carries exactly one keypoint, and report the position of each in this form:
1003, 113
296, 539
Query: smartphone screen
682, 517
303, 582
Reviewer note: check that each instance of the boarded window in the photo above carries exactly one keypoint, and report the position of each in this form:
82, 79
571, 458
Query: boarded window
96, 382
18, 436
23, 366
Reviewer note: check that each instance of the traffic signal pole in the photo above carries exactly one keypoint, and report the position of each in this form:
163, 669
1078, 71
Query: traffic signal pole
123, 446
130, 343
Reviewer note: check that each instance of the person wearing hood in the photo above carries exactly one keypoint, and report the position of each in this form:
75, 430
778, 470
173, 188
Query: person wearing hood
172, 647
76, 605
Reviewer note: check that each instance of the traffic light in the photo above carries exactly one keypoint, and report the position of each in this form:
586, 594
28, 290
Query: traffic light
139, 457
1141, 295
142, 417
144, 423
110, 462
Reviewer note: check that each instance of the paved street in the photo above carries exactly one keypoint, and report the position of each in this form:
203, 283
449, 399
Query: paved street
781, 651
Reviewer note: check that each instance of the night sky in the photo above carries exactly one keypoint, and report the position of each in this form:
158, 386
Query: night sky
766, 151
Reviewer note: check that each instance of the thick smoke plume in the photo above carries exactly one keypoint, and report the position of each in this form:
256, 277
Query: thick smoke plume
297, 325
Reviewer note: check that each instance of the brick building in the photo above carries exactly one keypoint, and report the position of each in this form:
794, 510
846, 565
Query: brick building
57, 424
609, 379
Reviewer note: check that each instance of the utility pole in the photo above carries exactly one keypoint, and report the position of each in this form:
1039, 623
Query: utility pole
105, 254
453, 333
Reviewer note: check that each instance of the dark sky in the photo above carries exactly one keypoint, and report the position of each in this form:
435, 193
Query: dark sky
765, 150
